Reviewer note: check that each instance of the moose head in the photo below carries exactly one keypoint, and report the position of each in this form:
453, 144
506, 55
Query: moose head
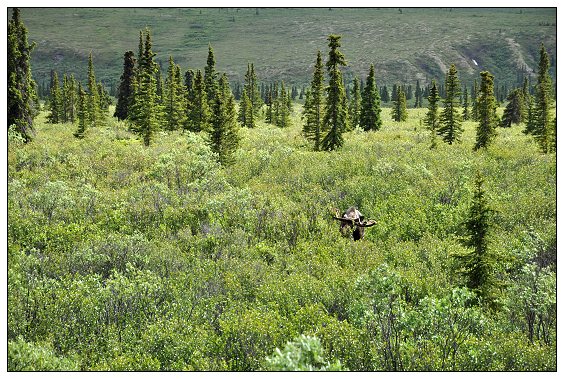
353, 219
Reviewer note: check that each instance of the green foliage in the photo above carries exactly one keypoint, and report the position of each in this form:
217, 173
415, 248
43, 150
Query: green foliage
450, 121
224, 135
541, 126
55, 102
305, 353
478, 266
198, 110
335, 118
126, 257
125, 91
370, 109
22, 98
94, 114
431, 119
251, 102
175, 101
514, 112
314, 106
282, 108
487, 116
26, 356
399, 109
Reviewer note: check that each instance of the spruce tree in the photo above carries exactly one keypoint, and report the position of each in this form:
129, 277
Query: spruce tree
478, 264
335, 119
93, 100
385, 95
22, 104
542, 126
399, 109
70, 96
210, 78
146, 107
199, 114
487, 116
55, 102
224, 135
314, 106
82, 112
432, 117
450, 121
174, 100
283, 119
514, 110
268, 102
245, 114
125, 86
370, 110
250, 104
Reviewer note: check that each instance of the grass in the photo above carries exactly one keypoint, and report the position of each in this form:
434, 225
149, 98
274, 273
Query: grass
416, 44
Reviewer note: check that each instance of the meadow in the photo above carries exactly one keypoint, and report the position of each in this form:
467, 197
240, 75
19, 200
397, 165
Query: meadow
126, 257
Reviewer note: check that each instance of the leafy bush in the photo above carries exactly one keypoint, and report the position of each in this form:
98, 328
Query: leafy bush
302, 354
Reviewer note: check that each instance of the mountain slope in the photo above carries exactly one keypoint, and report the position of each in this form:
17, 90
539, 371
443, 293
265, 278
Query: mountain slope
282, 42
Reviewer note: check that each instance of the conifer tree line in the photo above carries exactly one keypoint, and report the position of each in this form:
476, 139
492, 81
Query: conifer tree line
23, 104
64, 106
151, 98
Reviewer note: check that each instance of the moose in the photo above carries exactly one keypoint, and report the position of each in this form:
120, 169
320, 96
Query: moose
353, 219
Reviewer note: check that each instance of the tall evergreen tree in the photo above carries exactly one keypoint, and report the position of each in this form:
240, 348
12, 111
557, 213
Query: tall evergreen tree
146, 108
210, 78
488, 119
283, 119
224, 135
399, 110
335, 120
432, 116
125, 86
175, 101
513, 112
385, 96
543, 129
268, 102
251, 102
199, 112
22, 96
70, 96
370, 110
314, 106
93, 102
450, 121
478, 265
82, 112
55, 102
355, 105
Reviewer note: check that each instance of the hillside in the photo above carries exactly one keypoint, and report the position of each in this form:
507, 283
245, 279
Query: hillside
413, 44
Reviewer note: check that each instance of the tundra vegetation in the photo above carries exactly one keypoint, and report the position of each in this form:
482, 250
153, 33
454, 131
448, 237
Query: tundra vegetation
204, 238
